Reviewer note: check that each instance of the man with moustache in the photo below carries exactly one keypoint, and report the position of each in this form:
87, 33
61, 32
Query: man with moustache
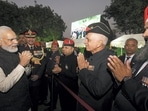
66, 70
52, 59
14, 93
130, 47
133, 95
96, 81
37, 65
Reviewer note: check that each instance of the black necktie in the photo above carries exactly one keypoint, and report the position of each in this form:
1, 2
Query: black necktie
31, 47
127, 58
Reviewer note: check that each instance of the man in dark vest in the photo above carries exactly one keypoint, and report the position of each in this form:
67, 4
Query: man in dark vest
14, 87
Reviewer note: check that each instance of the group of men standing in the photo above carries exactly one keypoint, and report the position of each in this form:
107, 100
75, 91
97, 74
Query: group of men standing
106, 82
48, 65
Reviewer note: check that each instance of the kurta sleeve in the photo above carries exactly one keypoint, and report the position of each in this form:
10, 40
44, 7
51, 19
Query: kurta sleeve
7, 82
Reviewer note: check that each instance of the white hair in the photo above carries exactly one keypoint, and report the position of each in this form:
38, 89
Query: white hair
3, 29
103, 38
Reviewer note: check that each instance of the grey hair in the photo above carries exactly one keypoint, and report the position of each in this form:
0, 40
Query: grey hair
3, 29
104, 39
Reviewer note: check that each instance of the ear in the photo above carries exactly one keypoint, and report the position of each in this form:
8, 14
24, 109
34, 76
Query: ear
100, 42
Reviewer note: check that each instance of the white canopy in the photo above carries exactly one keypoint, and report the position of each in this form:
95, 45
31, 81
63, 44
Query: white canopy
78, 43
120, 41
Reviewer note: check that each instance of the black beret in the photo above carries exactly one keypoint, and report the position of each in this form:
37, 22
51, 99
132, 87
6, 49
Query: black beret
101, 27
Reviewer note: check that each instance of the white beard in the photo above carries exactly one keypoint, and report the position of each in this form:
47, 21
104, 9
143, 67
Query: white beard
9, 49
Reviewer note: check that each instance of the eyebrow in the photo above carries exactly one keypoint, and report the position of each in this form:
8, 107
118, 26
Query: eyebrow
12, 39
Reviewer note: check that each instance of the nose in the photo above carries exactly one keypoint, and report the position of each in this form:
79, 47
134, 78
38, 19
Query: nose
85, 41
15, 41
144, 33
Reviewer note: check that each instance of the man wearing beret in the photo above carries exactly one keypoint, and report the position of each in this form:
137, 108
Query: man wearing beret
37, 65
133, 95
67, 74
52, 59
96, 81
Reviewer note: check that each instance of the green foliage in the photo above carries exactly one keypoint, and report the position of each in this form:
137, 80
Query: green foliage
43, 20
118, 51
128, 15
8, 13
81, 49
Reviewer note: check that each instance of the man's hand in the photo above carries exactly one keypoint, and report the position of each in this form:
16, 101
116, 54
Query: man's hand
118, 69
82, 63
57, 59
34, 77
56, 69
25, 57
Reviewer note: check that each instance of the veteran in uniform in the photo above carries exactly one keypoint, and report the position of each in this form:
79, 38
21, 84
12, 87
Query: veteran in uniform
37, 64
67, 73
133, 94
52, 59
96, 84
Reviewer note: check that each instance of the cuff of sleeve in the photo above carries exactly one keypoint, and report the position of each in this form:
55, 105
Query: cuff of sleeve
20, 67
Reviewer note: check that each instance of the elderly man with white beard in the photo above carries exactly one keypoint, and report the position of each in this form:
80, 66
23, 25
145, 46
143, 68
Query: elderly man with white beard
133, 91
14, 87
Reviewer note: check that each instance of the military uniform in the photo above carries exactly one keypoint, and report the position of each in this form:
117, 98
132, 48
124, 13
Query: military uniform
125, 97
138, 90
68, 76
96, 81
99, 92
37, 66
51, 82
133, 95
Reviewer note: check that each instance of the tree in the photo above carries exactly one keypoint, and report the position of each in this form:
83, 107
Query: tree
8, 13
43, 20
127, 14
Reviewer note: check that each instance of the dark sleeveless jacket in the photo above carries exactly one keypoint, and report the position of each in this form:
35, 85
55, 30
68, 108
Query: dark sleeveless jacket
17, 98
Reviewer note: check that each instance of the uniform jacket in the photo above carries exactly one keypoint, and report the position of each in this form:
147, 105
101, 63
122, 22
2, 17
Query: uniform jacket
96, 87
37, 69
50, 61
68, 75
122, 100
137, 94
